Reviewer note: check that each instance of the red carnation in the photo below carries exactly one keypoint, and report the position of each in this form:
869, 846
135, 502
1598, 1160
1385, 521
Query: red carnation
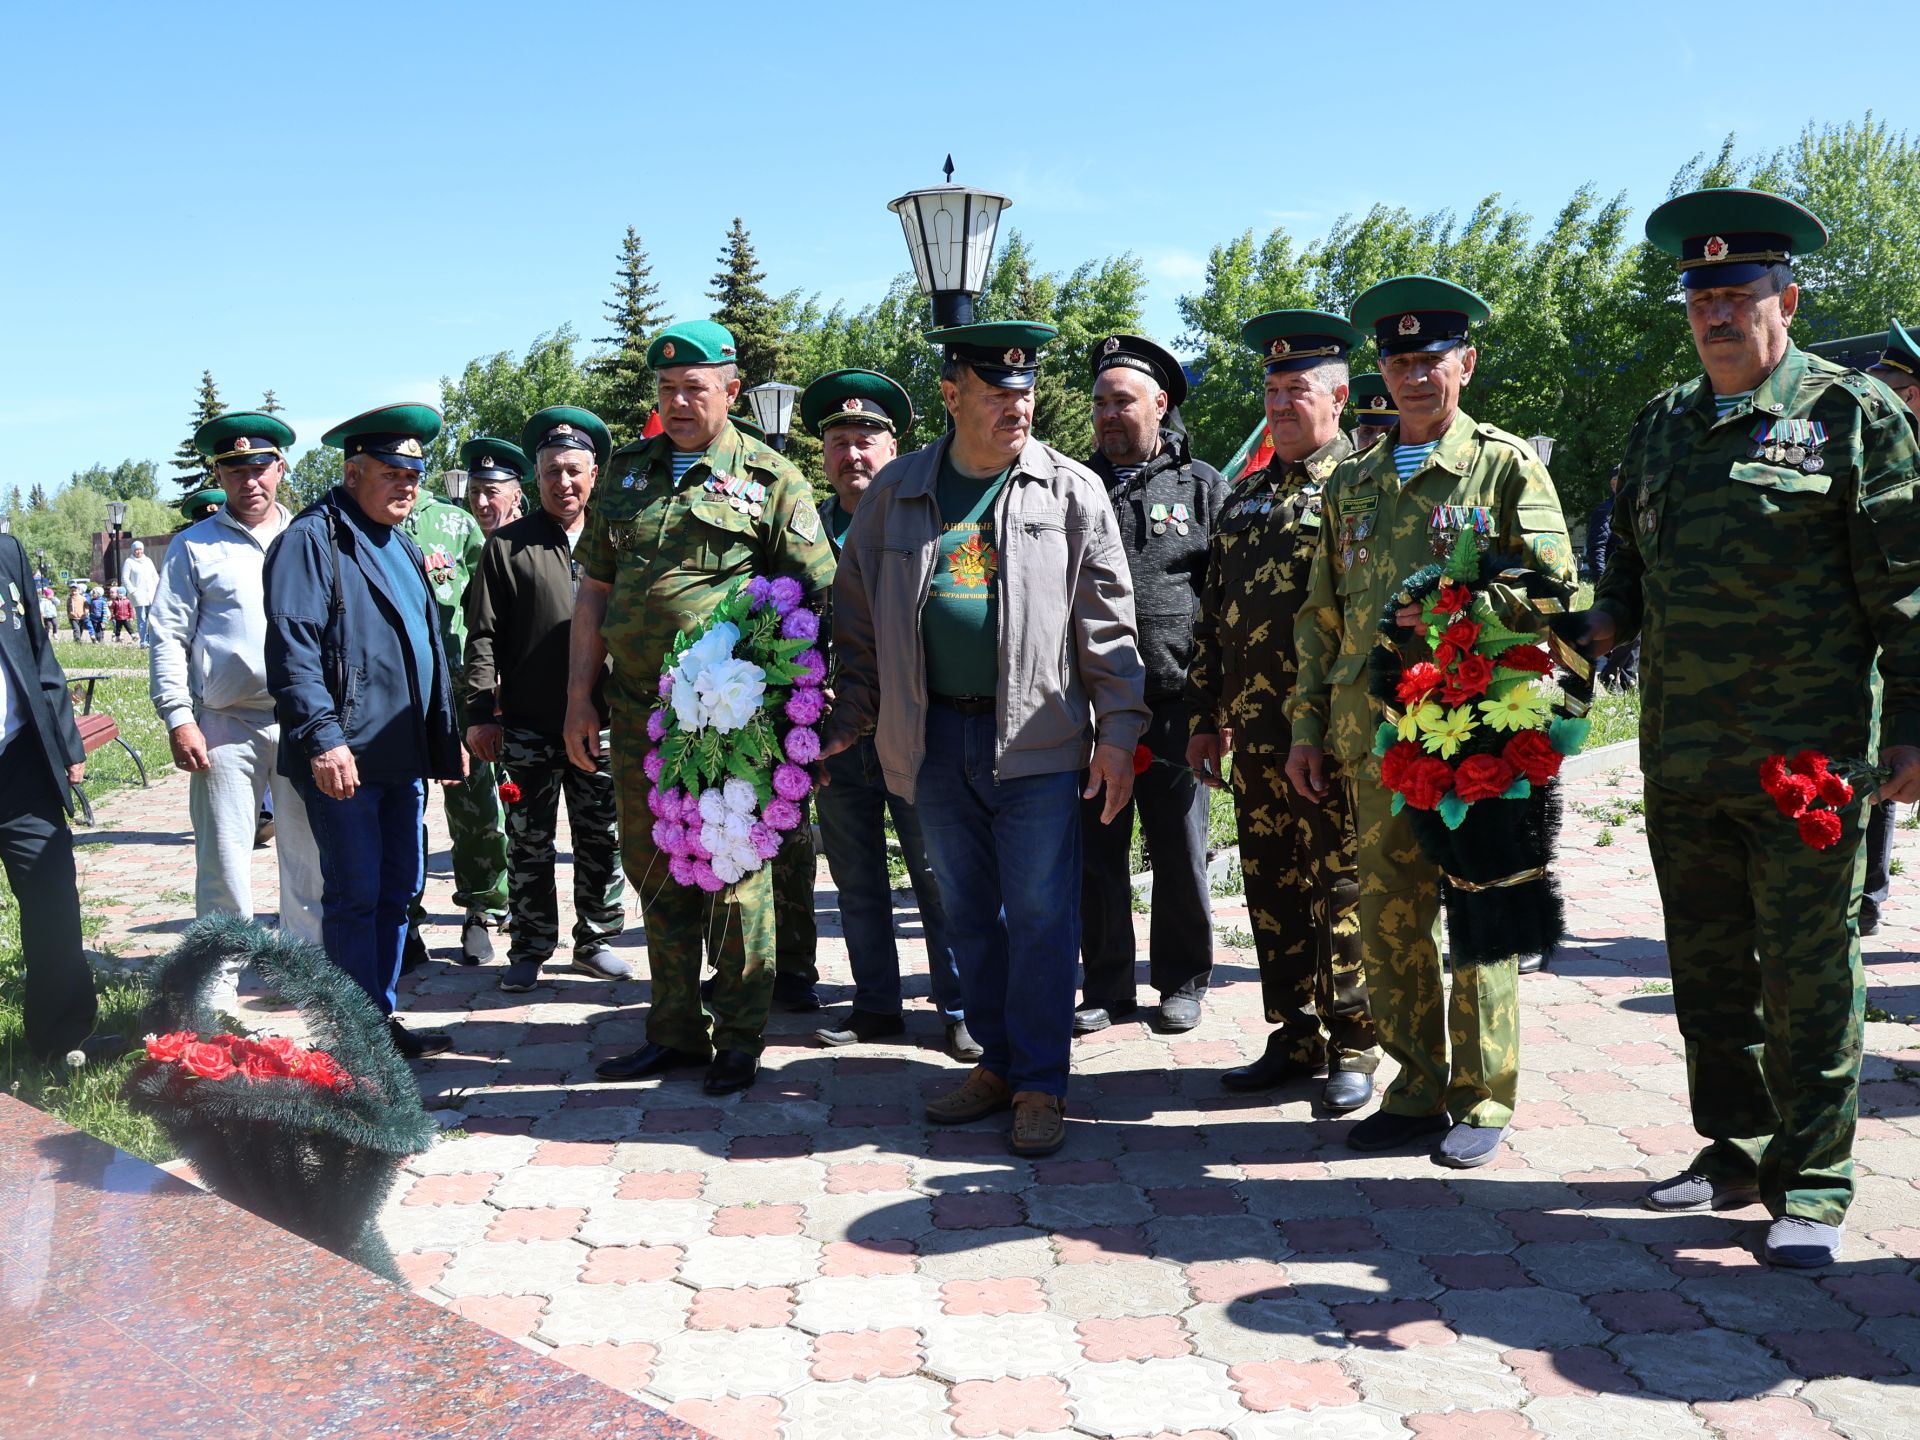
1810, 763
1820, 828
1427, 781
1773, 770
1393, 764
1530, 753
1418, 681
1142, 759
1461, 634
1530, 658
1451, 599
509, 793
168, 1049
1483, 777
1833, 790
1470, 677
1793, 795
208, 1061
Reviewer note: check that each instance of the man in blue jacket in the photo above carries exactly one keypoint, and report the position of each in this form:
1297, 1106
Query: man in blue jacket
363, 694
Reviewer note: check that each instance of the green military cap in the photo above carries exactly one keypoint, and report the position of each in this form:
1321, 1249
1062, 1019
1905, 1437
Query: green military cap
1005, 353
394, 434
1901, 353
692, 342
1372, 404
1418, 312
1136, 352
569, 428
242, 437
201, 501
855, 397
1299, 339
487, 459
1728, 236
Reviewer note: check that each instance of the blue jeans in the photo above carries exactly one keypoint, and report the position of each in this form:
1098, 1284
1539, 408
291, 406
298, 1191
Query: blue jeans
1007, 853
852, 818
140, 613
371, 866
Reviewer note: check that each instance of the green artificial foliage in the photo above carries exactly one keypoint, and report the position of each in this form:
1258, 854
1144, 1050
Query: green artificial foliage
314, 1161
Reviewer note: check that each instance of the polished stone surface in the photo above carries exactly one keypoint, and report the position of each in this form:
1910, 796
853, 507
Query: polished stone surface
133, 1304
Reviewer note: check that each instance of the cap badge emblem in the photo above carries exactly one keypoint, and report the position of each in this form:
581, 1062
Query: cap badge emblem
1378, 402
1113, 344
852, 402
666, 351
726, 349
409, 447
1280, 347
243, 443
486, 462
1714, 249
562, 429
1409, 324
1015, 357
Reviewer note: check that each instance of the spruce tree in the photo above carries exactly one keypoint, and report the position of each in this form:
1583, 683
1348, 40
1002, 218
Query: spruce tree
637, 317
270, 404
192, 471
747, 310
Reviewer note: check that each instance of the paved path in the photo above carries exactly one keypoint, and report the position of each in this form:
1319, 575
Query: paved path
811, 1259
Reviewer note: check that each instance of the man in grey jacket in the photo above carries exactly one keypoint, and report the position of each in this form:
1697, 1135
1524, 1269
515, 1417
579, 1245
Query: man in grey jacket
984, 627
208, 669
1165, 502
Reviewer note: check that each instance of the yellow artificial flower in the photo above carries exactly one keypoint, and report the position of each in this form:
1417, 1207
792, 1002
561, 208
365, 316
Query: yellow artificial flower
1419, 718
1449, 730
1522, 708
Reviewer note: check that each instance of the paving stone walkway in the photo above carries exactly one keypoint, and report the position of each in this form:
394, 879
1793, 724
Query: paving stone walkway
811, 1259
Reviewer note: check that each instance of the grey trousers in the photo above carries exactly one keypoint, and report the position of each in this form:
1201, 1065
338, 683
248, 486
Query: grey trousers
224, 802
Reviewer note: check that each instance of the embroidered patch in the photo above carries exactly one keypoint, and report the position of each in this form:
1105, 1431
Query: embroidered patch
805, 522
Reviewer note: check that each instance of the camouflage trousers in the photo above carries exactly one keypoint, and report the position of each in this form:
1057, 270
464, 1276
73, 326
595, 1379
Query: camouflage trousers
796, 930
478, 841
1767, 988
1297, 859
538, 764
733, 929
1458, 1047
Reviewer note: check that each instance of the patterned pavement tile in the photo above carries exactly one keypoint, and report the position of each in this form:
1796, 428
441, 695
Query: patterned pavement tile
1771, 1419
878, 1409
1703, 1365
1864, 1410
756, 1417
1010, 1406
1288, 1385
1133, 1337
975, 1347
587, 1314
705, 1364
1143, 1397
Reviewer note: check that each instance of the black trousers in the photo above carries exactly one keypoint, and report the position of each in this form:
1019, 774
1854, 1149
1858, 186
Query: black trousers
37, 849
1879, 860
1172, 805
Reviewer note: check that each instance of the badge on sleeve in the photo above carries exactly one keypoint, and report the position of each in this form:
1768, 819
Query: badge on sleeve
805, 522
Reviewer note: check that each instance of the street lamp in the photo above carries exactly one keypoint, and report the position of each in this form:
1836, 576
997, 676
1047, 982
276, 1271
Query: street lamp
116, 517
454, 482
6, 524
1543, 447
772, 406
950, 230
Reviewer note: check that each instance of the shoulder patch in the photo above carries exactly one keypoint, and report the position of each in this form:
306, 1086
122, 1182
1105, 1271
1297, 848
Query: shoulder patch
1868, 392
806, 520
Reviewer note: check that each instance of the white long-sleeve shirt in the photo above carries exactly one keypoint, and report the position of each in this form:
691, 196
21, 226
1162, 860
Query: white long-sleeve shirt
142, 579
208, 625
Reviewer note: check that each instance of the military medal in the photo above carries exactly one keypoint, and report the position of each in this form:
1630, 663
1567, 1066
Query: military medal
1157, 517
1179, 514
1816, 437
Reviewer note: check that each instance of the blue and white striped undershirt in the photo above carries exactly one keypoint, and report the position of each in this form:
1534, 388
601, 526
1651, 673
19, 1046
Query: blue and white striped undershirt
1408, 459
685, 460
1725, 405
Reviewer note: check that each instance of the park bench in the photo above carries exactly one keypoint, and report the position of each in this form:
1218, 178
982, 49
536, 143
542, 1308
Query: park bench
97, 731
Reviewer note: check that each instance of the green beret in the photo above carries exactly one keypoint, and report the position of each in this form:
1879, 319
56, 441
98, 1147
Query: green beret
569, 427
395, 434
487, 459
692, 342
242, 435
862, 397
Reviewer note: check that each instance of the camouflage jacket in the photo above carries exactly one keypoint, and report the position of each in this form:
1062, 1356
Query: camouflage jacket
1263, 544
450, 542
1377, 530
1765, 589
671, 552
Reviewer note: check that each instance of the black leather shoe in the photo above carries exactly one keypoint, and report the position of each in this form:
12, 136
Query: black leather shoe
418, 1044
1347, 1090
1274, 1067
862, 1027
731, 1070
649, 1059
1532, 964
1091, 1019
792, 993
1869, 922
1384, 1130
1179, 1014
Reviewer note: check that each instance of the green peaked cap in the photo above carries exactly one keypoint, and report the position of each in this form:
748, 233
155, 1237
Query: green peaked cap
202, 497
241, 432
1730, 213
565, 425
1299, 339
692, 342
489, 458
391, 432
1901, 353
1372, 402
864, 397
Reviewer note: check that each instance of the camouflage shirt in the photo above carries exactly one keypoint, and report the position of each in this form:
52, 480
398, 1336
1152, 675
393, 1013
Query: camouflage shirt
451, 543
1257, 563
1376, 530
1765, 584
671, 552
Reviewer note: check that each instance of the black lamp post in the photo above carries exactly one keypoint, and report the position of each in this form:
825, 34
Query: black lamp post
772, 406
950, 231
116, 517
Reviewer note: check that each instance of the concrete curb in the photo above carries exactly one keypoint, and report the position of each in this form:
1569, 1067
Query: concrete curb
1624, 754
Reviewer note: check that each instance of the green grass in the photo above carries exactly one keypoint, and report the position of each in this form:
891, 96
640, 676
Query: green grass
110, 768
1238, 938
1604, 838
88, 656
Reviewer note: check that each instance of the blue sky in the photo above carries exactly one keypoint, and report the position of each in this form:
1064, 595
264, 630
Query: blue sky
345, 202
